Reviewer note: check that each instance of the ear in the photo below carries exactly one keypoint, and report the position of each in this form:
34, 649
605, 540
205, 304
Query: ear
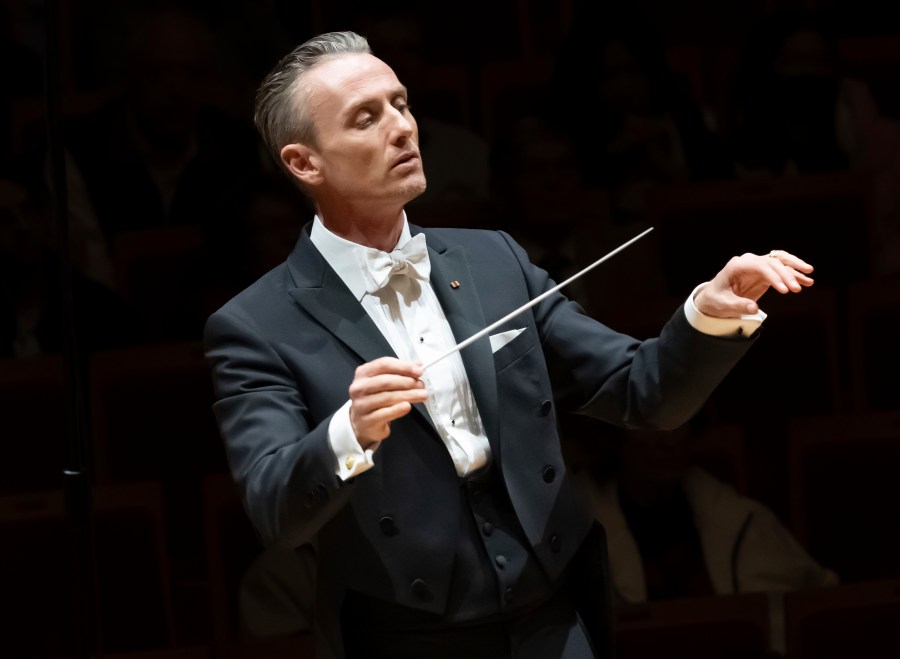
302, 162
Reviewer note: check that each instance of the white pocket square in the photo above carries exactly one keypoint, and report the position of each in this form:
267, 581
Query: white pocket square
501, 339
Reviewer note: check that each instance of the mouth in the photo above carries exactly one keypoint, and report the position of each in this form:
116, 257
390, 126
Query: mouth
407, 158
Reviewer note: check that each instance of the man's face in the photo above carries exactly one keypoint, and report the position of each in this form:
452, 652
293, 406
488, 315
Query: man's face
367, 142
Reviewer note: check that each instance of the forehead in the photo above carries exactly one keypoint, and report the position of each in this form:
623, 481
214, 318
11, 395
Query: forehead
341, 82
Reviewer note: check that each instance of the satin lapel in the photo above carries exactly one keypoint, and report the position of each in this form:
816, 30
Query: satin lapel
327, 299
462, 306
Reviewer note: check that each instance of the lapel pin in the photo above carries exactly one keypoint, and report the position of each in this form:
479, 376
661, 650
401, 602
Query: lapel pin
454, 284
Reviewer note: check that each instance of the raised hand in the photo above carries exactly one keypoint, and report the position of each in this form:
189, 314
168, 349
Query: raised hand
735, 290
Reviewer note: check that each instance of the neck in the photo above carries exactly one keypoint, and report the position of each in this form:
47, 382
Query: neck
371, 227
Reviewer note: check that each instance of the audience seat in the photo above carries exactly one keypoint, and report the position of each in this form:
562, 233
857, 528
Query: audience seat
152, 413
721, 627
850, 620
231, 547
194, 652
844, 492
152, 418
873, 319
35, 424
132, 585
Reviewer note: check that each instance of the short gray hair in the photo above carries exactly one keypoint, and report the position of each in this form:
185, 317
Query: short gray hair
280, 115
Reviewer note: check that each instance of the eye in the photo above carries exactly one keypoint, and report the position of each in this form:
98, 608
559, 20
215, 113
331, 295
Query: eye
364, 121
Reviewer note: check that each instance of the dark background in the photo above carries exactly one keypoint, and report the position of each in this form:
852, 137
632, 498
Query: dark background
178, 207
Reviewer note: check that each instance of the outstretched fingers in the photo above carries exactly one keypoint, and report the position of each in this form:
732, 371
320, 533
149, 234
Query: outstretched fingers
792, 273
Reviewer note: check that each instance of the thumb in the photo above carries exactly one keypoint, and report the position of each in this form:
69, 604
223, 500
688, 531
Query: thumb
750, 307
725, 304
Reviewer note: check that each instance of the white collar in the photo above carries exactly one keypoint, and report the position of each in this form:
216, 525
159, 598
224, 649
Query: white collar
338, 253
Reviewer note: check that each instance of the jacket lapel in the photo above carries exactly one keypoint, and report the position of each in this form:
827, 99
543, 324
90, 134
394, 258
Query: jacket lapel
320, 291
462, 307
324, 296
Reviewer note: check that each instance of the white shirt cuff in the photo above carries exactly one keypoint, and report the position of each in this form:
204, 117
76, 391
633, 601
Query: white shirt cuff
352, 460
746, 325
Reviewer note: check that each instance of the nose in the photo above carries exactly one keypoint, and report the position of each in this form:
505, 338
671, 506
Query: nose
403, 127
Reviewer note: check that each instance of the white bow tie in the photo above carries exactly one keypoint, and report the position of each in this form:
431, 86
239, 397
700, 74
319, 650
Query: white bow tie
378, 267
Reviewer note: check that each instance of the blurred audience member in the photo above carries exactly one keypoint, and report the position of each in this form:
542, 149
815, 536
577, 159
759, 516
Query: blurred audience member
30, 301
792, 106
253, 35
22, 75
160, 154
675, 530
635, 125
796, 112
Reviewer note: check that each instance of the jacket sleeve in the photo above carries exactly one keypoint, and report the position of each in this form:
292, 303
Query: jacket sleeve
658, 383
280, 459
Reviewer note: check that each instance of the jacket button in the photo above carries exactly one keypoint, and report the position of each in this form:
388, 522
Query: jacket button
420, 590
487, 528
555, 544
501, 561
549, 474
476, 496
508, 594
546, 406
387, 526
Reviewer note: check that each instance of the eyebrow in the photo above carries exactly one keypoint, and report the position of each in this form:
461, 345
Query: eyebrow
361, 103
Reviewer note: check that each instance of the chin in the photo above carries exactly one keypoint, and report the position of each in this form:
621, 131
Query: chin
414, 188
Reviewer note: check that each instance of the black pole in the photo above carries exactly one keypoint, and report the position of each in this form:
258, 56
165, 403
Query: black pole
83, 617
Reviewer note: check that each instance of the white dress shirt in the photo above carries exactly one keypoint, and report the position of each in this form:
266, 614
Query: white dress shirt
408, 314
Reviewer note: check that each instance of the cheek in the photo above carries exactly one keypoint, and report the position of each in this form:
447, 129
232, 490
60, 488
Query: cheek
360, 160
